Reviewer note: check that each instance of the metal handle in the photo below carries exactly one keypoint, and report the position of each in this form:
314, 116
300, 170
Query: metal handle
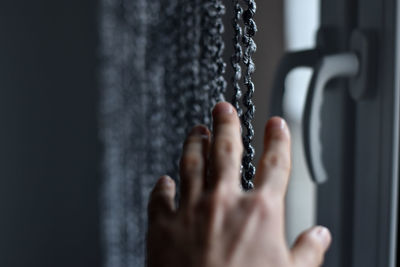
330, 67
327, 67
290, 61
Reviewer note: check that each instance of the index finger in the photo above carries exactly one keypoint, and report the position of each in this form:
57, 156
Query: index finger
274, 167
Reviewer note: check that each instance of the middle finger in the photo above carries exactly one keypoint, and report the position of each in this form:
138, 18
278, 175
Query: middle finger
227, 147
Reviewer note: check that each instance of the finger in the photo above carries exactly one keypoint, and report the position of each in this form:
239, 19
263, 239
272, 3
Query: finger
161, 201
310, 247
193, 165
274, 166
227, 147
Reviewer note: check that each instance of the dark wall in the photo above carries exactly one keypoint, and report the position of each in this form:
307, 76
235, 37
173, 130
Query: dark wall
49, 150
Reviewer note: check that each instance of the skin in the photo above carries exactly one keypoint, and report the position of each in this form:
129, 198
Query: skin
215, 223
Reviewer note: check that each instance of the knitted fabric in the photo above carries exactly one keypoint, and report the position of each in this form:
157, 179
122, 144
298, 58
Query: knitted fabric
162, 71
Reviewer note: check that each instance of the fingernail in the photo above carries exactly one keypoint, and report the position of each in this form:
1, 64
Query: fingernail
222, 108
165, 181
199, 130
323, 235
276, 123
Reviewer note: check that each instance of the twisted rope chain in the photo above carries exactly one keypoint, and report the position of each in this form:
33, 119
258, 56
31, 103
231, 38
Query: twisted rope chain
220, 46
236, 59
250, 30
213, 47
237, 56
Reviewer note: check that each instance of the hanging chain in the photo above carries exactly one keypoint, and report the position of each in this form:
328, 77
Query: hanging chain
250, 30
220, 46
237, 56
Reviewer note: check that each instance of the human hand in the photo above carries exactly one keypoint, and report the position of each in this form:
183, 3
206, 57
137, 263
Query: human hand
218, 225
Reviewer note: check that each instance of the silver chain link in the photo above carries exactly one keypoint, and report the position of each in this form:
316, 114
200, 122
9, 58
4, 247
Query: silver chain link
250, 30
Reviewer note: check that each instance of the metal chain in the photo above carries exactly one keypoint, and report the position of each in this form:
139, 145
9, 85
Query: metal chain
250, 30
237, 56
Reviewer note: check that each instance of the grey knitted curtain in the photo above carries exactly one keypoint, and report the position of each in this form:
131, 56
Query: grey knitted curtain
162, 72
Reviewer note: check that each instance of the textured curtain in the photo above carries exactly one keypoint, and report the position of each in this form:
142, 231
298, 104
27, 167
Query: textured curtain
162, 71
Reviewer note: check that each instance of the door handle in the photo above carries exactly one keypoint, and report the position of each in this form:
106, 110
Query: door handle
357, 64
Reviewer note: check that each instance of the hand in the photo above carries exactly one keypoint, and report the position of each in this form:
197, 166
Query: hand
218, 225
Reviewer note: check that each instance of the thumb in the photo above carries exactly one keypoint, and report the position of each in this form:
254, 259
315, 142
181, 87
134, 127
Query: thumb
310, 247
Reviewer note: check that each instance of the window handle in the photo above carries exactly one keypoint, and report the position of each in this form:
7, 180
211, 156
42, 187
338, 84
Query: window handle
345, 65
290, 61
359, 64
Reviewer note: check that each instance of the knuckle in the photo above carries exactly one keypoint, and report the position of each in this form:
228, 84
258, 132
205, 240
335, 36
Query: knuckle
210, 207
273, 160
227, 146
191, 161
259, 200
276, 160
216, 206
263, 204
219, 198
266, 205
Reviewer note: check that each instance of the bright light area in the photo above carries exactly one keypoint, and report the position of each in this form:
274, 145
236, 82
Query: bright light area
301, 25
